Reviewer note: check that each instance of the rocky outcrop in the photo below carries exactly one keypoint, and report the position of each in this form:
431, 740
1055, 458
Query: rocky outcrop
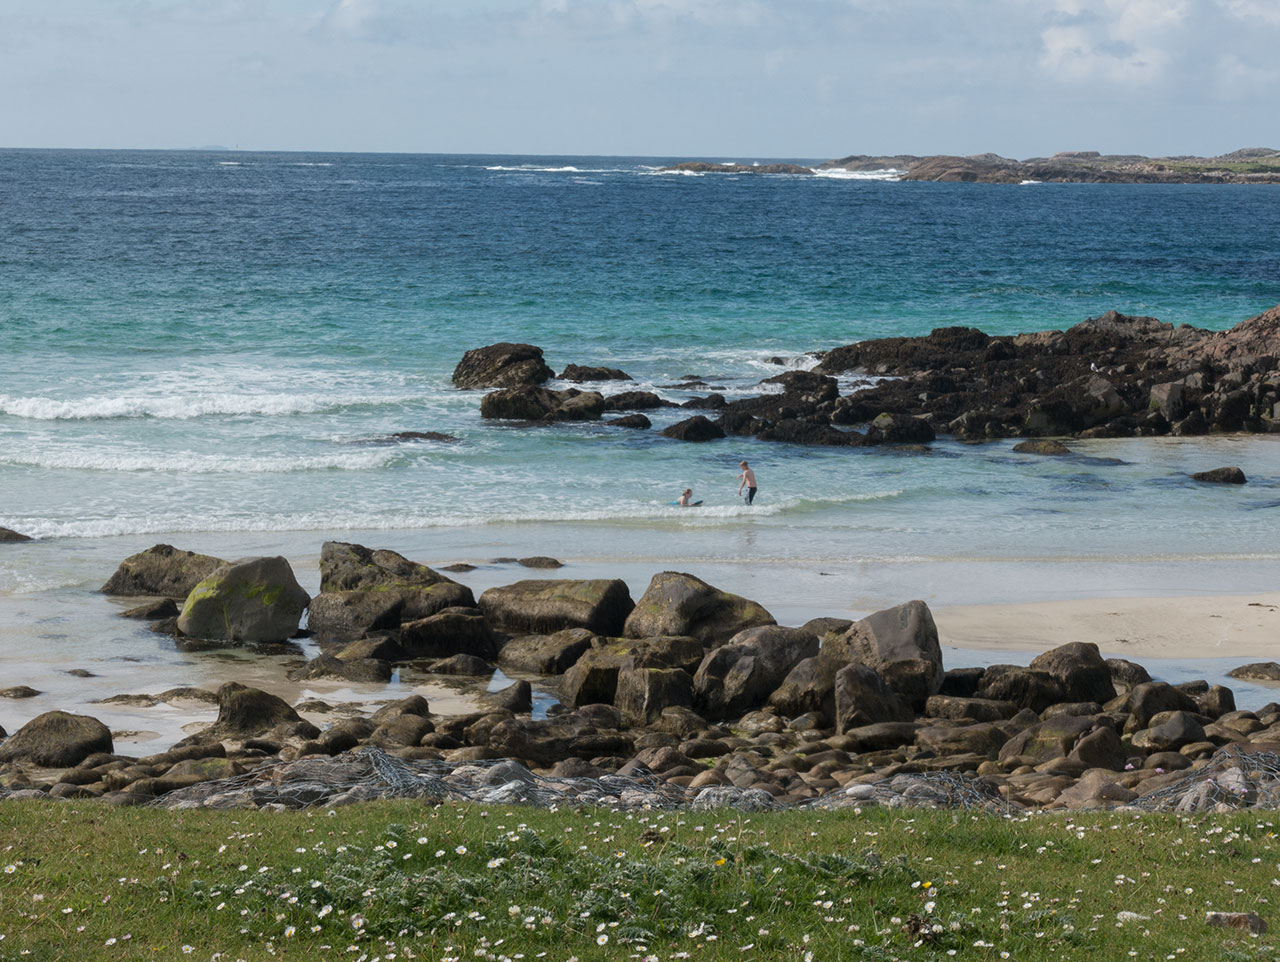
543, 607
706, 167
682, 604
502, 365
1248, 166
257, 599
9, 536
163, 571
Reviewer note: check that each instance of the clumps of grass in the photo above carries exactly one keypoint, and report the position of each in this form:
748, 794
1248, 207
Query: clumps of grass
405, 881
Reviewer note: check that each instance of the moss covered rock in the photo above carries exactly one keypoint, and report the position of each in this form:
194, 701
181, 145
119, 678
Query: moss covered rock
257, 599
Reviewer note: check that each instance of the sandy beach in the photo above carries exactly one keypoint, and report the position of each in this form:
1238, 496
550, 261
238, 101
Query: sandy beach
1245, 627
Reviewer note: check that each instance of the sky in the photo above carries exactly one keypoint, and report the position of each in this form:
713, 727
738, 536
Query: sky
715, 79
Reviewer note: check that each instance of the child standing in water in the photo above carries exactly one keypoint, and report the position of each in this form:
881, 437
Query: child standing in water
747, 479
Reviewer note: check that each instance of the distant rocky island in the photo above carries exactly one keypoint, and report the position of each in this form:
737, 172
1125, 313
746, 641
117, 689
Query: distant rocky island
1250, 165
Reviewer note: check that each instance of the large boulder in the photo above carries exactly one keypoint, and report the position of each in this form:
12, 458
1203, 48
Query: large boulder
862, 698
586, 733
552, 654
644, 693
373, 590
1080, 669
808, 687
362, 670
1026, 687
901, 644
343, 615
593, 678
1053, 738
451, 631
257, 599
163, 571
57, 739
1146, 701
738, 676
352, 567
245, 712
542, 607
501, 365
680, 604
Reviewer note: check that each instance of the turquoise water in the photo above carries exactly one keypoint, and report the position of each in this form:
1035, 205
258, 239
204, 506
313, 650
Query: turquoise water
204, 349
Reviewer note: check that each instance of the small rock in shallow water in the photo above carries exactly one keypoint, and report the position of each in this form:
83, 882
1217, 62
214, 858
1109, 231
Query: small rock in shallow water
8, 534
18, 691
153, 610
1221, 476
540, 561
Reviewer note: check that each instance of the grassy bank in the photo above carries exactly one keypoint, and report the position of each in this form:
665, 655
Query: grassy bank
403, 881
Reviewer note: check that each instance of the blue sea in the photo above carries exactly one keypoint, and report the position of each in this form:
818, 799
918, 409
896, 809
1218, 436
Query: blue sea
209, 349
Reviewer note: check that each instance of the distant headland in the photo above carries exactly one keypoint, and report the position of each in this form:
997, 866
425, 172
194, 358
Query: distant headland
1250, 165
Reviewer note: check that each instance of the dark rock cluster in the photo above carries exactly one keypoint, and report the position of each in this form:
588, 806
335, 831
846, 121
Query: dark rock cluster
689, 683
1109, 376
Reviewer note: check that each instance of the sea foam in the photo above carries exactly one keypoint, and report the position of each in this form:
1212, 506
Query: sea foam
182, 408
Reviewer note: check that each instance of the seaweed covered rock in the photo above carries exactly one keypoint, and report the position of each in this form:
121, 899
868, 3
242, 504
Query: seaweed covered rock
257, 599
543, 607
57, 739
163, 571
681, 604
501, 365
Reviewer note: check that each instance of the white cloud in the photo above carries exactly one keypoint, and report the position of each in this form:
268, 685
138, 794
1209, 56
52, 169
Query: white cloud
1116, 41
1268, 11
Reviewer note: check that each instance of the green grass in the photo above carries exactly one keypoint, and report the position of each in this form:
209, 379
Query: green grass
403, 881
